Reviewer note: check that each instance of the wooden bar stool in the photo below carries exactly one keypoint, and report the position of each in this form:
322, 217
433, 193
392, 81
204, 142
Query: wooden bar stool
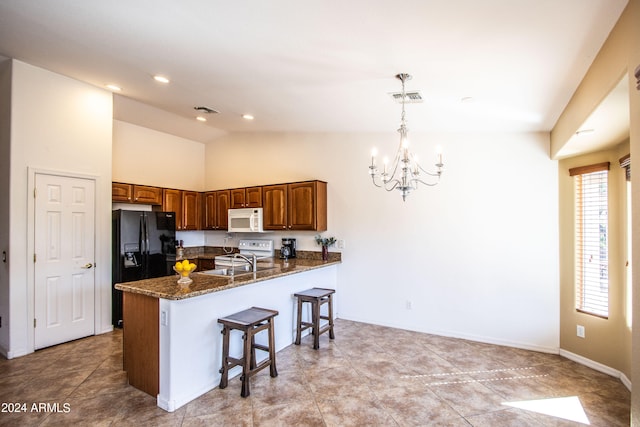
316, 297
250, 321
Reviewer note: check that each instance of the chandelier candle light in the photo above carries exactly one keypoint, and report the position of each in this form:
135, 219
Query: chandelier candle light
406, 172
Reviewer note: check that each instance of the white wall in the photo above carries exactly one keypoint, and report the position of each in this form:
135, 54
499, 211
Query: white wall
57, 124
146, 156
476, 256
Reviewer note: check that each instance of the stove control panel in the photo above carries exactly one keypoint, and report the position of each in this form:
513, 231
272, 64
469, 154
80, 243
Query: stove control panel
260, 247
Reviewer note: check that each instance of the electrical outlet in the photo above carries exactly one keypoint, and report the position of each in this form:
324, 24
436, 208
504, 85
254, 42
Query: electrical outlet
163, 318
340, 244
580, 331
409, 305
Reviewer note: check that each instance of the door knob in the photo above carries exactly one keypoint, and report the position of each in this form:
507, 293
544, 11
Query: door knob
88, 265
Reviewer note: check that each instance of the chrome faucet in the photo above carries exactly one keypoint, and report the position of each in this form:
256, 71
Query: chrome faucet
253, 262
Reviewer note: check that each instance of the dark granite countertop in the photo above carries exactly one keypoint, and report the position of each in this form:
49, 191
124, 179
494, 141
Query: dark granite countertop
168, 288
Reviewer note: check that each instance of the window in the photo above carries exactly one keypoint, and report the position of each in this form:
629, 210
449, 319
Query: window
591, 231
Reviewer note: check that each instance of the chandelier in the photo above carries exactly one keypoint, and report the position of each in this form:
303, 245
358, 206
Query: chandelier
405, 173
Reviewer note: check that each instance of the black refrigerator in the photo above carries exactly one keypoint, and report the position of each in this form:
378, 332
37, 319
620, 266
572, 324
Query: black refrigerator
143, 246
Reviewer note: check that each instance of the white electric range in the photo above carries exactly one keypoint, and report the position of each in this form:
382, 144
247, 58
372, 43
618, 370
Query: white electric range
262, 249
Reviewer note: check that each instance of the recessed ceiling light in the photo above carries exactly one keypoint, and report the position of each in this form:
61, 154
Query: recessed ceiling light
113, 87
161, 79
201, 119
467, 100
247, 117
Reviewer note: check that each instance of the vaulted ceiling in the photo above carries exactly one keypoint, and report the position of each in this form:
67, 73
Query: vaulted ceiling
321, 66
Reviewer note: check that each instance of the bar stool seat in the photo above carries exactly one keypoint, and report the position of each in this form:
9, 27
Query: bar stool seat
316, 297
250, 322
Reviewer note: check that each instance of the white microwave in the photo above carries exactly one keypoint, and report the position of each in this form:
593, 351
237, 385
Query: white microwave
245, 220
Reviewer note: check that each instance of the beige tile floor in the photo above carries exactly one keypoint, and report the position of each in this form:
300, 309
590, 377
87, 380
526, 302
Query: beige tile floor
368, 376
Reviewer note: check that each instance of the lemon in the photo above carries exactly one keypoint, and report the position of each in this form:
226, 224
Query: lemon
192, 266
185, 264
178, 266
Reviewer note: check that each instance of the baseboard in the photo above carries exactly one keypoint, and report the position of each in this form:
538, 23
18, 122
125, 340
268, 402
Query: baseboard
463, 336
106, 330
597, 366
14, 354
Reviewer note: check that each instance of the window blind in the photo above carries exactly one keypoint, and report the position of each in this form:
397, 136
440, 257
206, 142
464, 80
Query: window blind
625, 162
592, 254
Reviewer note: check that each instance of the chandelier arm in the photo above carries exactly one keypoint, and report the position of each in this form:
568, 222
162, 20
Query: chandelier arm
395, 182
373, 179
429, 184
437, 173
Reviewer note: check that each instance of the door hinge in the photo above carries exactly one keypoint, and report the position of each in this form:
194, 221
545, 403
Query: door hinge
34, 257
34, 322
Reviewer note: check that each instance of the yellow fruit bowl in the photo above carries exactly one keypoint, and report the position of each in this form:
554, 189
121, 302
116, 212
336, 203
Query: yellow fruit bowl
184, 269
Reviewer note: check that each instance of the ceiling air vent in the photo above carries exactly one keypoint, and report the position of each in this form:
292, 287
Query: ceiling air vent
205, 110
410, 97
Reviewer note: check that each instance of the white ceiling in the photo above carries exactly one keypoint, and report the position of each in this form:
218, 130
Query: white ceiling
318, 65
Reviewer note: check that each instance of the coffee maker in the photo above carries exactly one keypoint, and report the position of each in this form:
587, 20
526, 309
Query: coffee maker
288, 248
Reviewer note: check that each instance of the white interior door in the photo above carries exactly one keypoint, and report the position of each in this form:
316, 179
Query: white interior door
64, 259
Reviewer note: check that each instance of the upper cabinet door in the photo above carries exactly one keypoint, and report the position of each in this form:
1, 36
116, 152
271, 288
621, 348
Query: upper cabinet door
274, 204
147, 195
253, 197
237, 198
223, 201
121, 192
307, 206
209, 220
172, 202
191, 203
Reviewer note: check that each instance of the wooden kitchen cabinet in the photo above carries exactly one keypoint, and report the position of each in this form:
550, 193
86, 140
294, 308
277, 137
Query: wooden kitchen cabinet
191, 206
205, 264
307, 206
172, 202
216, 209
186, 205
133, 193
250, 197
121, 192
209, 210
274, 206
254, 197
141, 341
238, 196
295, 206
223, 201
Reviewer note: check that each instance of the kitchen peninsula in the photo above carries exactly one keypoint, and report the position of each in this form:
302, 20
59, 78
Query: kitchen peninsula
172, 341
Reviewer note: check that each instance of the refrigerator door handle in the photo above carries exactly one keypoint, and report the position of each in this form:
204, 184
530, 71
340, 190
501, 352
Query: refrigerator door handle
142, 235
147, 246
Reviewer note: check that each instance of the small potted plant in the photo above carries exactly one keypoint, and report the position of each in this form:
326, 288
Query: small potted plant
325, 242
